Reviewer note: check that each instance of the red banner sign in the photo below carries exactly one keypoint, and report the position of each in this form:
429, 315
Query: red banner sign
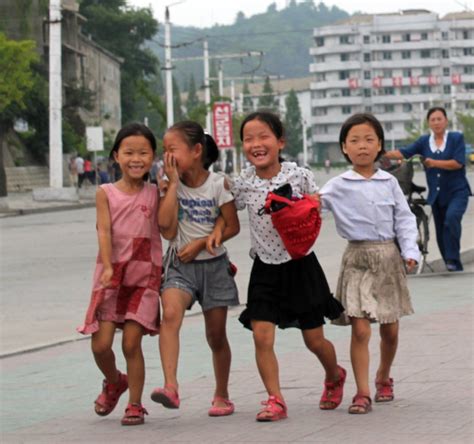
353, 83
456, 79
377, 82
414, 81
397, 81
222, 124
432, 80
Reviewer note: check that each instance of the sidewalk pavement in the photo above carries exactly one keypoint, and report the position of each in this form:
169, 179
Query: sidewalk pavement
47, 396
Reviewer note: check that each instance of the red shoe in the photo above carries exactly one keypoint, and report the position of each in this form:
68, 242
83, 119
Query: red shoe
384, 391
275, 409
134, 415
333, 392
107, 400
168, 396
227, 410
361, 405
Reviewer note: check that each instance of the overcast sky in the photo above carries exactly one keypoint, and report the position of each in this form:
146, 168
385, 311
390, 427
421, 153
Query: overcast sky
203, 13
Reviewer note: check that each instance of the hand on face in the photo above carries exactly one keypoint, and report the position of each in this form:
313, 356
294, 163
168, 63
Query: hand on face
171, 168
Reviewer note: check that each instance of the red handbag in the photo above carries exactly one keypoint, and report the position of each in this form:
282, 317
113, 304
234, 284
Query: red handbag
297, 222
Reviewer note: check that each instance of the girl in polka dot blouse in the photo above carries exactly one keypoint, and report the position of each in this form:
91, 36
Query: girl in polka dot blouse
282, 291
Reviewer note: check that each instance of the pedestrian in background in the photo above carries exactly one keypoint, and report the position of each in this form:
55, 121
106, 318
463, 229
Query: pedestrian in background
127, 275
327, 166
372, 213
193, 200
79, 162
444, 154
72, 171
282, 291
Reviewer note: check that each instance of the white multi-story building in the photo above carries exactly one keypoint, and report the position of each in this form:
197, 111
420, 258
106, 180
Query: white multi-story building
393, 65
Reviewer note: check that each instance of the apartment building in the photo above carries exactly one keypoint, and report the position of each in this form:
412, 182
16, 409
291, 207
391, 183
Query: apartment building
394, 65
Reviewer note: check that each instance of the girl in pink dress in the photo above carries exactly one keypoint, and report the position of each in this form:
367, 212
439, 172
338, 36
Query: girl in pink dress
127, 275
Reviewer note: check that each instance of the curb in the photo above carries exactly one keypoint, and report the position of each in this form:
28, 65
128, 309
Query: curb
26, 211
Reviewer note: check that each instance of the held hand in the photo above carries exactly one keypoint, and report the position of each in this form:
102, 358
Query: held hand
171, 168
163, 186
410, 265
317, 198
191, 250
429, 163
106, 277
214, 241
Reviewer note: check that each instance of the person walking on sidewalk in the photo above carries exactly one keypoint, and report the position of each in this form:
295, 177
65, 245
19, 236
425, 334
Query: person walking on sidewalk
282, 291
372, 213
444, 154
127, 276
193, 200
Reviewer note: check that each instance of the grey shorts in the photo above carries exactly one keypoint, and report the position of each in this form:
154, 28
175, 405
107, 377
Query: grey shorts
210, 281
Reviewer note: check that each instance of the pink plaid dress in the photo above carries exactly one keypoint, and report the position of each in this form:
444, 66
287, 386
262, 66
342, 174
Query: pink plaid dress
136, 259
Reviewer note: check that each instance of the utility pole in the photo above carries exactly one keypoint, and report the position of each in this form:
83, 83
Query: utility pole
305, 144
207, 87
453, 107
55, 97
168, 68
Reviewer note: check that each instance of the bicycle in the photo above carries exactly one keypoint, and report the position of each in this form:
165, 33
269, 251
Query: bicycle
404, 172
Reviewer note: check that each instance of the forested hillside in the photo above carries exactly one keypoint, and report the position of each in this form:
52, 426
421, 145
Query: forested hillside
284, 36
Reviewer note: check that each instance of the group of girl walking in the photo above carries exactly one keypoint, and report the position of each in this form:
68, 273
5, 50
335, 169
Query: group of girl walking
196, 211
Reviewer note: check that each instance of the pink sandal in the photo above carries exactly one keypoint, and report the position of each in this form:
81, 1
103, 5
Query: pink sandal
111, 392
384, 391
168, 396
333, 391
221, 411
134, 415
361, 405
275, 409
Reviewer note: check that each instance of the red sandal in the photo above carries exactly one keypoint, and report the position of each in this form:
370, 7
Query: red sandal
134, 415
226, 410
333, 391
384, 391
111, 392
168, 396
275, 409
361, 405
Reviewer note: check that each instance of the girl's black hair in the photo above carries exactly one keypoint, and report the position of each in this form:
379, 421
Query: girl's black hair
193, 133
133, 129
434, 109
271, 119
360, 119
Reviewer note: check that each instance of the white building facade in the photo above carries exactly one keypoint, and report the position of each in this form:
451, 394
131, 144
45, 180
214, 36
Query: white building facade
395, 66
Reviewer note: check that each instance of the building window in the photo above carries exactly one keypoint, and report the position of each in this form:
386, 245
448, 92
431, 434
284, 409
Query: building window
344, 40
366, 38
319, 59
368, 109
407, 72
321, 77
387, 73
465, 35
407, 107
445, 35
406, 37
346, 92
367, 92
386, 55
406, 55
425, 53
343, 75
426, 71
445, 53
404, 90
424, 36
446, 72
386, 38
425, 89
469, 70
346, 110
408, 126
389, 108
447, 89
319, 41
367, 75
388, 126
468, 51
366, 57
344, 57
389, 91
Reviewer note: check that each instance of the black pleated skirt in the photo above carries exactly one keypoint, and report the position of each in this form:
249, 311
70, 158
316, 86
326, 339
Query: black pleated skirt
292, 294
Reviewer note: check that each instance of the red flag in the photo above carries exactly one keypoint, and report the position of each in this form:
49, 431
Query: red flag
222, 124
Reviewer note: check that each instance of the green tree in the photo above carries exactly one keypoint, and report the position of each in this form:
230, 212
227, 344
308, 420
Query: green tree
467, 123
247, 105
214, 84
293, 125
268, 99
124, 30
16, 81
192, 100
177, 104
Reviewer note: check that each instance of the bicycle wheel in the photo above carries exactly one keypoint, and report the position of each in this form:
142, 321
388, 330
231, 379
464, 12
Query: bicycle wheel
422, 238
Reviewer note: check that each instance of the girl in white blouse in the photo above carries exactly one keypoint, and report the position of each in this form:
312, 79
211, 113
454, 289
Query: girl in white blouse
282, 291
371, 213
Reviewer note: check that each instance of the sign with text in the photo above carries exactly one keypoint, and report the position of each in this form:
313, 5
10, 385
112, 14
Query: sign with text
95, 138
222, 124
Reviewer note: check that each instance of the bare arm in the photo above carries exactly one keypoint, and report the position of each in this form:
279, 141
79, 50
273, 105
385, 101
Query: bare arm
104, 234
168, 212
450, 164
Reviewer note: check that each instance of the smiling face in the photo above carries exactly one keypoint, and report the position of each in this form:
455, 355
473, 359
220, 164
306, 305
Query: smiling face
362, 146
135, 157
438, 122
186, 157
262, 148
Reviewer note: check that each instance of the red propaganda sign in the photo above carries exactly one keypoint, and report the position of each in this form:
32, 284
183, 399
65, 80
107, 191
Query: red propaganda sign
414, 81
377, 82
397, 81
222, 124
456, 79
353, 83
432, 80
